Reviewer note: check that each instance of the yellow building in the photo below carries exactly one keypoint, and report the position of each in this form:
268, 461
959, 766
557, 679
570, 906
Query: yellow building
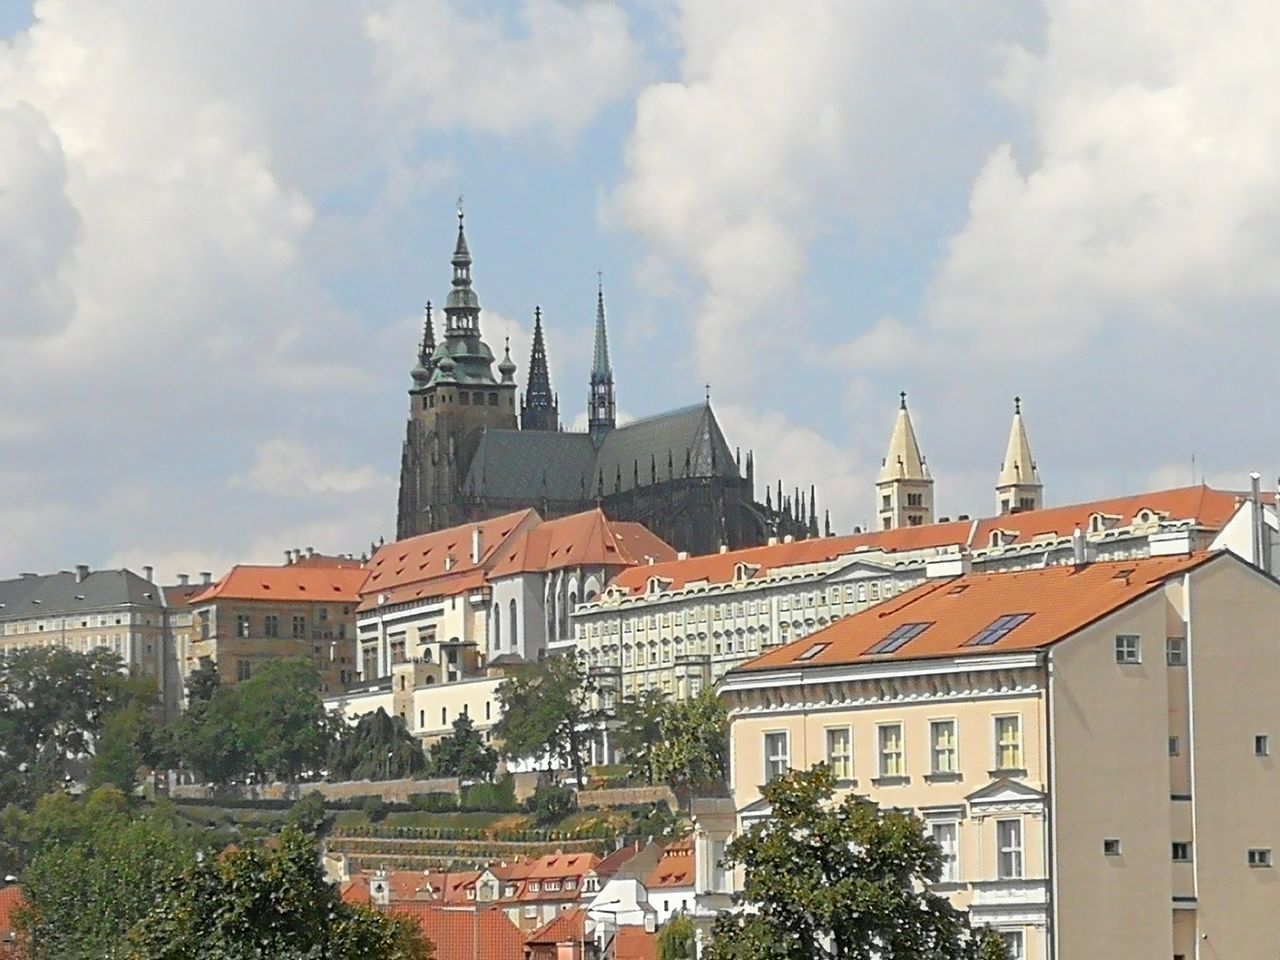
1089, 744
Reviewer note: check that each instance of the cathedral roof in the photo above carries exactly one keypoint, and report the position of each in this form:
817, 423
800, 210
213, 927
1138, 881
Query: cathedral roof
532, 465
643, 445
903, 461
1019, 466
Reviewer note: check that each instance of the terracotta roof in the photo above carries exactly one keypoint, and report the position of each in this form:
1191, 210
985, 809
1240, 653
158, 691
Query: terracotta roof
287, 584
567, 927
10, 901
178, 597
582, 539
458, 934
719, 567
1059, 601
1207, 507
421, 566
675, 869
635, 943
611, 864
557, 865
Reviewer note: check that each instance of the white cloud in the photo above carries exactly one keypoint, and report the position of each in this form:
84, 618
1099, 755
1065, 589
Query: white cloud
288, 467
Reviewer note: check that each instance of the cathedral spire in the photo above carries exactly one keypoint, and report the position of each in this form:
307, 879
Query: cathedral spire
904, 488
421, 372
601, 406
538, 409
462, 309
1018, 487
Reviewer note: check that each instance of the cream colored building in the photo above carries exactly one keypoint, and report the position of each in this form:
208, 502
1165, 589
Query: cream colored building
1090, 745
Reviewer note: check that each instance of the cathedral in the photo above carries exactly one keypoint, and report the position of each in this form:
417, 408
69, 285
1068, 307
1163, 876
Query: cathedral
476, 448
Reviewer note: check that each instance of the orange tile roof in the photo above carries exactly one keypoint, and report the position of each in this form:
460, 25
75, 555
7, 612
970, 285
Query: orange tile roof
635, 943
178, 597
554, 866
582, 539
421, 566
458, 934
290, 584
674, 869
1208, 507
567, 927
1060, 600
614, 862
10, 901
719, 567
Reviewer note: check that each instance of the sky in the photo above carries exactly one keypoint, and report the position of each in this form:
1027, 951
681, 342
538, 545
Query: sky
219, 224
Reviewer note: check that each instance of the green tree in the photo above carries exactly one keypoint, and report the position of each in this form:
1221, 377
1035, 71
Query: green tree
260, 902
676, 939
548, 711
52, 706
840, 879
97, 871
202, 683
640, 723
127, 743
308, 813
463, 754
282, 719
378, 747
693, 747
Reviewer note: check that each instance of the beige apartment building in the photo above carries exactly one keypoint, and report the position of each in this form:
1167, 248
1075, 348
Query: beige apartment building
256, 614
1090, 744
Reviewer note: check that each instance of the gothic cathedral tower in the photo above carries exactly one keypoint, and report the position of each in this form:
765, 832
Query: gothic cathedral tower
539, 407
454, 397
601, 409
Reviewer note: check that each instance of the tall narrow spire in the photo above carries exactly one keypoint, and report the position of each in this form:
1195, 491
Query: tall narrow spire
538, 409
904, 488
462, 309
601, 405
421, 372
1018, 487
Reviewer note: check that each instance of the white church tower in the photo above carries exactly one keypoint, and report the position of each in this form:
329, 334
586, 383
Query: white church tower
1018, 487
904, 489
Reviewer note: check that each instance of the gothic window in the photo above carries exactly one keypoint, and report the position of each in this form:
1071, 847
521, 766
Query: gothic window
514, 625
465, 398
497, 628
915, 499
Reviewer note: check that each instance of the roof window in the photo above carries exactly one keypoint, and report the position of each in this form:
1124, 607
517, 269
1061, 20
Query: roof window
1000, 629
899, 637
813, 651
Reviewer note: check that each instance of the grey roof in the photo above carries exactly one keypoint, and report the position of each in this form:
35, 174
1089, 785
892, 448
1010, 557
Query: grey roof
531, 465
692, 429
56, 594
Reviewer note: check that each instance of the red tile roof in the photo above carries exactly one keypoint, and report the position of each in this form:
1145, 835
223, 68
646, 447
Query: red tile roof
10, 901
583, 539
292, 584
720, 567
1060, 600
439, 564
1207, 507
460, 934
674, 869
614, 862
635, 943
567, 927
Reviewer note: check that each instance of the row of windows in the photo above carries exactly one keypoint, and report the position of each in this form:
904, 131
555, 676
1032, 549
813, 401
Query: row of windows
1180, 852
944, 746
464, 397
444, 714
1261, 745
70, 623
1129, 650
271, 625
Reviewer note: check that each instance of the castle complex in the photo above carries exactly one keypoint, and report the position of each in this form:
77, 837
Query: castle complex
472, 452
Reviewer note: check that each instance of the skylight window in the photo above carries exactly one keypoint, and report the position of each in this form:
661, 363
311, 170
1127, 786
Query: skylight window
813, 651
900, 637
1000, 629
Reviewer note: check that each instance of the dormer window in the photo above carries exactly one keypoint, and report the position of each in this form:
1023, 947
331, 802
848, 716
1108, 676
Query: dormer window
745, 571
657, 585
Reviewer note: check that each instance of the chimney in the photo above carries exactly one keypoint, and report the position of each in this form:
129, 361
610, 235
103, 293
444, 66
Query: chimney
288, 557
149, 573
1255, 504
724, 548
773, 541
1079, 549
954, 564
311, 551
206, 576
477, 544
788, 539
184, 580
682, 555
82, 571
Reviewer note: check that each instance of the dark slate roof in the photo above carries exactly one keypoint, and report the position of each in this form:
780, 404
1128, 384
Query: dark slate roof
529, 465
512, 464
642, 443
58, 593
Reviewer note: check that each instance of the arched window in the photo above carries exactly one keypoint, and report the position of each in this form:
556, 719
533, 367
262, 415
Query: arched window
551, 616
497, 627
515, 626
573, 602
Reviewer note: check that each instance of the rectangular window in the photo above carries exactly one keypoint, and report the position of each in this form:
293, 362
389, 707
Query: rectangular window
1262, 745
776, 756
242, 625
1111, 847
1009, 743
1128, 648
1014, 944
840, 752
299, 627
942, 745
271, 625
946, 836
1009, 845
1000, 628
1175, 746
1175, 651
244, 669
1181, 850
891, 764
1260, 857
899, 637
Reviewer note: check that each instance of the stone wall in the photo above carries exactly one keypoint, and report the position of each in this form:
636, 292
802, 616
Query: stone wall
627, 797
392, 791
